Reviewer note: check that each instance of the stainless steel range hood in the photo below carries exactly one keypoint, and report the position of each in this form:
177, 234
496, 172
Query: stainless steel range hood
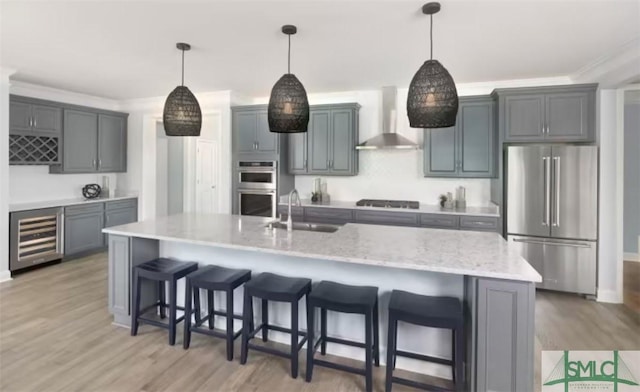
388, 139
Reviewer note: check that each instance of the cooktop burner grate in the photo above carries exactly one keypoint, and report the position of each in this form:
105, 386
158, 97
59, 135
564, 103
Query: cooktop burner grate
388, 203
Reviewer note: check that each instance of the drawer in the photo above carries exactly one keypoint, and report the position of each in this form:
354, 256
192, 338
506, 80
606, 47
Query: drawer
118, 204
331, 215
295, 210
89, 208
439, 221
479, 223
387, 218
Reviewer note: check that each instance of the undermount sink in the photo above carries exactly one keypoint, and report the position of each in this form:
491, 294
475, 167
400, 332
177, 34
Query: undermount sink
322, 228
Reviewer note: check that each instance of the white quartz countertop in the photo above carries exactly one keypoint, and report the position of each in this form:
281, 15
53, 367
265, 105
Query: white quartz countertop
490, 211
447, 251
65, 202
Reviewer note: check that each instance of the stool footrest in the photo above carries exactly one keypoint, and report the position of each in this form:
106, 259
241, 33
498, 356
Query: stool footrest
421, 357
337, 366
214, 333
224, 314
273, 351
418, 385
344, 342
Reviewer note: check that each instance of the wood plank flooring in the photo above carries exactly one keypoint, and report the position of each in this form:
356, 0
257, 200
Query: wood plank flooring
56, 335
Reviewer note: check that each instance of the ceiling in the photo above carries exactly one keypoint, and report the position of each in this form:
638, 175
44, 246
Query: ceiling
125, 50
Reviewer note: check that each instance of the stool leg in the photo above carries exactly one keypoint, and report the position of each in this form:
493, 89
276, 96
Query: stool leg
391, 347
135, 313
265, 320
323, 331
376, 336
162, 300
186, 340
229, 324
311, 312
368, 342
212, 308
172, 311
294, 339
247, 314
197, 306
459, 359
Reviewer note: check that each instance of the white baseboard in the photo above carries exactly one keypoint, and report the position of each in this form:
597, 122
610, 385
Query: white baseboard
609, 296
5, 276
632, 257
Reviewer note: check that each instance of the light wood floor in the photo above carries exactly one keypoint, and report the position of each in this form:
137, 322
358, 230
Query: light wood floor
56, 335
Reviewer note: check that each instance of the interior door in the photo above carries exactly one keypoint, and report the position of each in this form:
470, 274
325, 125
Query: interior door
206, 179
575, 192
528, 185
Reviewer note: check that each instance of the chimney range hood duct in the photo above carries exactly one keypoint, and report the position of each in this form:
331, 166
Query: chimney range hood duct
388, 139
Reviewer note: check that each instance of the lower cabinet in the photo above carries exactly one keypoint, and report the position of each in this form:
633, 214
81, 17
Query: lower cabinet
388, 218
83, 224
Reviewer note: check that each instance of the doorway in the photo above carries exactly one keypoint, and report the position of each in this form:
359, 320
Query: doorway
169, 174
206, 177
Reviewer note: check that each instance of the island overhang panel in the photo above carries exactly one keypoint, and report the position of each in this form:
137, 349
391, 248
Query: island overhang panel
495, 283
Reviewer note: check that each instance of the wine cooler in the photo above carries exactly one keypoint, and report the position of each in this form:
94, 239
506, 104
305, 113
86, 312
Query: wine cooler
35, 237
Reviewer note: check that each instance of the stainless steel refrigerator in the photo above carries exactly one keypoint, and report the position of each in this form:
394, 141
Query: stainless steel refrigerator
552, 212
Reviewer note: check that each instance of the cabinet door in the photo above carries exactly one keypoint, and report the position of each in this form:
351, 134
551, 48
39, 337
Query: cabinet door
112, 143
19, 116
83, 233
476, 129
342, 143
388, 218
120, 217
524, 117
266, 141
567, 117
80, 142
440, 152
244, 131
319, 139
46, 118
298, 153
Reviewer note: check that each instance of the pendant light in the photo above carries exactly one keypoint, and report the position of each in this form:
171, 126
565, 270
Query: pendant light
182, 115
433, 99
288, 105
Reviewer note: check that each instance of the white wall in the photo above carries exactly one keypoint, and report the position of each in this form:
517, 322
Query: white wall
4, 174
631, 180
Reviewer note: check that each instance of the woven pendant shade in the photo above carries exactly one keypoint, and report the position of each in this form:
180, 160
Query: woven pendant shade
288, 106
182, 115
433, 98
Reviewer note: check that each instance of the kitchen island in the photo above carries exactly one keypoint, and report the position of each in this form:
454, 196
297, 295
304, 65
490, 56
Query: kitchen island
495, 283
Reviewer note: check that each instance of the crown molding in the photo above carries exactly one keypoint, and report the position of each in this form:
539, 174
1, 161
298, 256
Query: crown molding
614, 69
5, 73
54, 94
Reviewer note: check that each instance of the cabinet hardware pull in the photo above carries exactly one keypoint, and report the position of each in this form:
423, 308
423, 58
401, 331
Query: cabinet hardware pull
30, 121
35, 122
257, 145
94, 163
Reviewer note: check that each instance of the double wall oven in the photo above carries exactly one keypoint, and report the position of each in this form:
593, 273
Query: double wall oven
257, 188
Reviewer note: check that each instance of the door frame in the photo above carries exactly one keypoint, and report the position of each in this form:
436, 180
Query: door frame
216, 171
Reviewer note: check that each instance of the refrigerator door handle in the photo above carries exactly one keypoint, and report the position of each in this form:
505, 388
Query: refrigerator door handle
554, 243
556, 175
546, 162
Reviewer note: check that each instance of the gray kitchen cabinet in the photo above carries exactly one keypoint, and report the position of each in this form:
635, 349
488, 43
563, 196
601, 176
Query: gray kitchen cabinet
328, 215
547, 114
93, 142
112, 142
319, 140
439, 221
388, 218
83, 228
467, 149
297, 212
298, 153
328, 148
120, 213
80, 138
26, 115
251, 132
478, 223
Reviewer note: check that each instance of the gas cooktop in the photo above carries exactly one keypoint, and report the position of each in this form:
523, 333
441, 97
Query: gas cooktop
388, 203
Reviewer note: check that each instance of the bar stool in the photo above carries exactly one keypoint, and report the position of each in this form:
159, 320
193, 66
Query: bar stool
272, 287
161, 271
345, 299
213, 278
434, 312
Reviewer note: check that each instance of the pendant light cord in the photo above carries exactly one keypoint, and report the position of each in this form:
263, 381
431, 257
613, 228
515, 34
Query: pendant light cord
431, 34
289, 56
182, 67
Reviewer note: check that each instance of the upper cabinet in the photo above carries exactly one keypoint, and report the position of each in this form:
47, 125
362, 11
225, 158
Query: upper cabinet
547, 114
34, 132
329, 145
251, 132
467, 149
25, 116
